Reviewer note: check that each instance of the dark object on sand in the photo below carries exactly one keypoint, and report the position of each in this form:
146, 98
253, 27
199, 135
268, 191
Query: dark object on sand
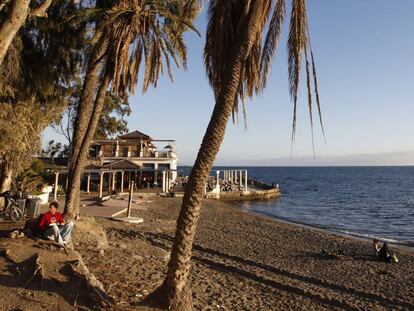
384, 253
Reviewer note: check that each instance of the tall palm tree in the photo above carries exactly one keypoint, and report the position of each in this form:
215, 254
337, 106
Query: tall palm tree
127, 34
237, 61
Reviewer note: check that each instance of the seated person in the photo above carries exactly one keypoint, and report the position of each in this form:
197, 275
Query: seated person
383, 253
53, 226
376, 247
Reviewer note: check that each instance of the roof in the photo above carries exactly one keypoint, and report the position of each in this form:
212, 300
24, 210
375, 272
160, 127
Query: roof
53, 163
122, 165
135, 135
92, 167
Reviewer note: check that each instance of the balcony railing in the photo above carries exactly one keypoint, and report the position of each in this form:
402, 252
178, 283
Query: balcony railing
137, 154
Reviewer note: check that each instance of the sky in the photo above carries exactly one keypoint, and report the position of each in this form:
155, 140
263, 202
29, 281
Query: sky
364, 56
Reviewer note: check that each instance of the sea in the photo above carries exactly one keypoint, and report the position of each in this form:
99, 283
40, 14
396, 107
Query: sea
368, 202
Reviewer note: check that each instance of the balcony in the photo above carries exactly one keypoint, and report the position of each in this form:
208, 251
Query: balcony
121, 149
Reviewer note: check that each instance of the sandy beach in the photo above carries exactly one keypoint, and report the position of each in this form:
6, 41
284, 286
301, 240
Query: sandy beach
243, 262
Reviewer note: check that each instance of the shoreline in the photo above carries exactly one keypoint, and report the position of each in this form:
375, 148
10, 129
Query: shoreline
360, 237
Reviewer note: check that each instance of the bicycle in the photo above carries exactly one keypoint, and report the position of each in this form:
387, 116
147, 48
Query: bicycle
11, 209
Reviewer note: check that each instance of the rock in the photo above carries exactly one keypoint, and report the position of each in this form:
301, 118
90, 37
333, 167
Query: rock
167, 256
102, 252
137, 257
31, 224
122, 245
21, 235
88, 231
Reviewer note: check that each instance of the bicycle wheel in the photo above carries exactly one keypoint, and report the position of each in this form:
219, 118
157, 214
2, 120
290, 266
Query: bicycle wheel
15, 213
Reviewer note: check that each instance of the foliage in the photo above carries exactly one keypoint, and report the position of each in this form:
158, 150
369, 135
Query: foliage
27, 181
225, 19
44, 56
20, 126
53, 149
37, 166
111, 123
149, 31
61, 191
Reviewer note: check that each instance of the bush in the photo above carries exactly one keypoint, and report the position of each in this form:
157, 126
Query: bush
37, 166
61, 191
27, 181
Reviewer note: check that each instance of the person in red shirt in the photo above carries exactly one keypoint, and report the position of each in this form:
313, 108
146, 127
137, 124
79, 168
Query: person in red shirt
53, 226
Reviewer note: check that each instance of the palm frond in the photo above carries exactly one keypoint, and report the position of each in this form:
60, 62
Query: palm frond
271, 41
308, 86
297, 44
225, 24
149, 31
315, 82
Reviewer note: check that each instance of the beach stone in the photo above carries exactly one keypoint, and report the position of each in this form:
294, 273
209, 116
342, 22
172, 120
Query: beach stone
14, 234
137, 257
122, 245
167, 256
88, 231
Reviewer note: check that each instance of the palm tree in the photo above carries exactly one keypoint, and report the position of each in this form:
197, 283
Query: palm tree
127, 34
237, 64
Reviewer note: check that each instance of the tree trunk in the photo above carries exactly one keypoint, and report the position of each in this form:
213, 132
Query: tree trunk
177, 293
5, 181
77, 166
16, 15
83, 116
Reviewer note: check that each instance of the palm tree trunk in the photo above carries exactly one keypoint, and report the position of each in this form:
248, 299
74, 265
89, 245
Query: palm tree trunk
77, 166
178, 294
16, 15
83, 116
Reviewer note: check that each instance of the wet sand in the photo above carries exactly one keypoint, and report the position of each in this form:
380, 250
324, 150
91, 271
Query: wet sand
245, 262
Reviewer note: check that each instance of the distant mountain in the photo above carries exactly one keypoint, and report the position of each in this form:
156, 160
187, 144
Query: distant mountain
375, 159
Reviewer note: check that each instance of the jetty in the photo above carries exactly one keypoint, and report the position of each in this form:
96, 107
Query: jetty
233, 185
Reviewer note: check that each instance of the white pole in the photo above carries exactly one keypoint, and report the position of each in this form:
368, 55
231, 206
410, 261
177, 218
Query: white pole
122, 181
164, 183
240, 178
88, 183
113, 180
131, 192
56, 185
245, 179
100, 184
